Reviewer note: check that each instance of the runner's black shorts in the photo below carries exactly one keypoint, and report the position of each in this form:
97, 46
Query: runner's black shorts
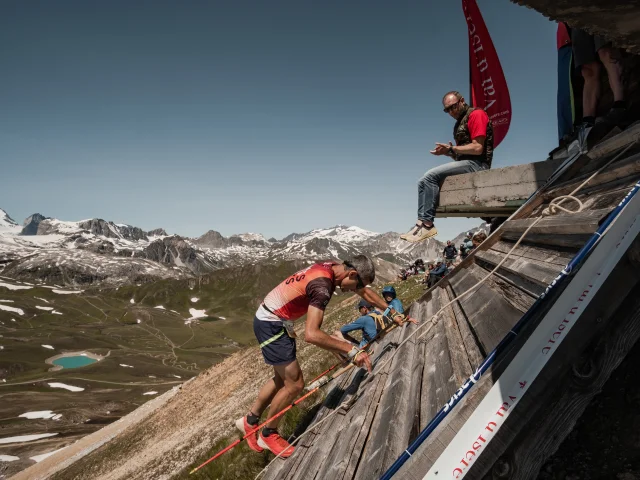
278, 351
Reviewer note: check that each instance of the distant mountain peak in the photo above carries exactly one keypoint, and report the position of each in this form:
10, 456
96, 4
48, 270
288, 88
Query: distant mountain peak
6, 220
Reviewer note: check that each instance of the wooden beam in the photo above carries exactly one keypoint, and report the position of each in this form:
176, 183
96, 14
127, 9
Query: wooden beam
539, 272
546, 255
565, 241
585, 222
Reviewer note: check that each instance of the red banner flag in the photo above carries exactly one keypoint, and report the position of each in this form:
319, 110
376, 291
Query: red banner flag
488, 85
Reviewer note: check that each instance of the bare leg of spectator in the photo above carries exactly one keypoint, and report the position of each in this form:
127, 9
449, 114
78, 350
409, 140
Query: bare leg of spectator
591, 90
609, 57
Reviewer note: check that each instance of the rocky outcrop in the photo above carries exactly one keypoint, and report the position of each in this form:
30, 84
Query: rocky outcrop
212, 239
176, 251
31, 223
158, 232
97, 226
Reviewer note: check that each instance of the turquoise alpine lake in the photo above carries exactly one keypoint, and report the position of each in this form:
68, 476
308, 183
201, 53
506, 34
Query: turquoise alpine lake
74, 361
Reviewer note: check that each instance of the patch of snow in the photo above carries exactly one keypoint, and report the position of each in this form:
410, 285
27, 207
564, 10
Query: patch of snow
153, 392
14, 287
8, 458
138, 320
177, 376
195, 299
49, 347
152, 376
125, 365
43, 299
55, 312
159, 307
132, 301
26, 438
222, 318
7, 301
71, 388
196, 314
57, 417
40, 414
19, 311
42, 456
66, 292
48, 309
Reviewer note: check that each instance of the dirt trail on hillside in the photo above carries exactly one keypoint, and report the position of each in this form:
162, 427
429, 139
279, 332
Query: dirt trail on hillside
179, 431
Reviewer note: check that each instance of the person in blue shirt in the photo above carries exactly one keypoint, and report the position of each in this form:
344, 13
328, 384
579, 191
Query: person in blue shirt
365, 323
389, 295
437, 273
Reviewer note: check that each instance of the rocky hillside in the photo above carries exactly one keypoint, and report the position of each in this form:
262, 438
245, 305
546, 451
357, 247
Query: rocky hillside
96, 251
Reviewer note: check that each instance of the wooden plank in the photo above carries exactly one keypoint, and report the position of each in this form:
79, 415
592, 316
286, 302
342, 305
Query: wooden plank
356, 422
489, 315
520, 298
545, 415
445, 379
474, 353
363, 435
538, 272
389, 434
553, 240
459, 360
472, 211
287, 468
428, 401
628, 167
546, 255
585, 222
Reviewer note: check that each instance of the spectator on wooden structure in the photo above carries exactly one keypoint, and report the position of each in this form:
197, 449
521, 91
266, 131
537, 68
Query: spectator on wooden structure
588, 51
478, 238
473, 151
450, 252
466, 246
437, 273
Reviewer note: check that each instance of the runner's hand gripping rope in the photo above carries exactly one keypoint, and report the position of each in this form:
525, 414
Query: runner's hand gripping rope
360, 358
400, 319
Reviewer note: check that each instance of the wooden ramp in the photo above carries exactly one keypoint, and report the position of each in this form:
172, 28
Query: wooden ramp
380, 415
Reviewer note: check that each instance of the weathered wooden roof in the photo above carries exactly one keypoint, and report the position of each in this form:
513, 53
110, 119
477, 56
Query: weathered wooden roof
379, 415
618, 20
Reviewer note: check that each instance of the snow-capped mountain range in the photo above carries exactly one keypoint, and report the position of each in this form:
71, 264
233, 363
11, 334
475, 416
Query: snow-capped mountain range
99, 251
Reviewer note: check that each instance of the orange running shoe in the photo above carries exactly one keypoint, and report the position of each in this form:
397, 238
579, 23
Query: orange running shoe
277, 445
252, 440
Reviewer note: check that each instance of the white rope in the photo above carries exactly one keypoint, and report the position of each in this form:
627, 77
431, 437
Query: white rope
552, 209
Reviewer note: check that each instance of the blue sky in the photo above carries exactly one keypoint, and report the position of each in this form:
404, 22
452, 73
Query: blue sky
270, 117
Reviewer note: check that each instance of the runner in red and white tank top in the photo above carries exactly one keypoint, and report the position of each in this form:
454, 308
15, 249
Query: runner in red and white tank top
290, 300
305, 292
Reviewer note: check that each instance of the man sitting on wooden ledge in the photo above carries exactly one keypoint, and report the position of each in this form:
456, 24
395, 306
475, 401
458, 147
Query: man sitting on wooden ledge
472, 152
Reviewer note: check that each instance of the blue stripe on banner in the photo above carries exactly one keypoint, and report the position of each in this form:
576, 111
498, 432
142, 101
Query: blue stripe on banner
565, 92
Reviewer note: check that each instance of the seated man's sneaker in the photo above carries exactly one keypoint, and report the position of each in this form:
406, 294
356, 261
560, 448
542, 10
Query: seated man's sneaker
419, 233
